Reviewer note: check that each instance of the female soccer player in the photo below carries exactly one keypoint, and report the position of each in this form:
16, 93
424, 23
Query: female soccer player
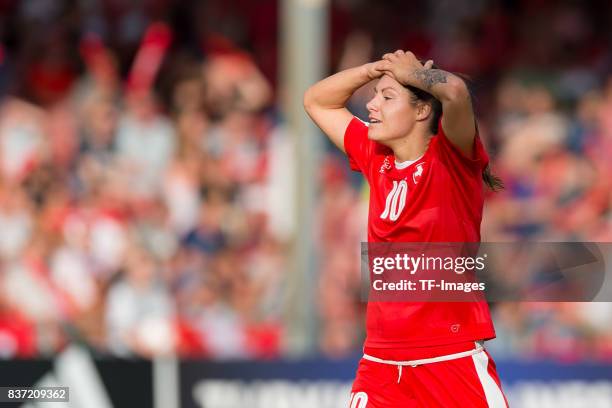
425, 164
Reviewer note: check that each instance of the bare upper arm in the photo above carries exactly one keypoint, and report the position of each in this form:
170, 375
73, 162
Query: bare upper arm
332, 121
458, 119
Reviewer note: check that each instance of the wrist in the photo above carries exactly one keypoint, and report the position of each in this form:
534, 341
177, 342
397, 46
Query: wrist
365, 70
369, 71
411, 78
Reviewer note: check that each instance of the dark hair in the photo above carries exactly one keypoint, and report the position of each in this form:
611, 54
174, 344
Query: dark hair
418, 95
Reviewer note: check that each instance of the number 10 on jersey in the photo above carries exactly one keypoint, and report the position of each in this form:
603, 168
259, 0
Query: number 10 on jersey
396, 201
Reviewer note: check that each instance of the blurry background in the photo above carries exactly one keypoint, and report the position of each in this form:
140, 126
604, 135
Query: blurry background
146, 172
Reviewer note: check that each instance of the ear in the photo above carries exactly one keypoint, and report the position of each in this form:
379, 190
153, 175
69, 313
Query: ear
423, 111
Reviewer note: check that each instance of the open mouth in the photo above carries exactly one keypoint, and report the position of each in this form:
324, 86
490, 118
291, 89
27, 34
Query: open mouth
374, 121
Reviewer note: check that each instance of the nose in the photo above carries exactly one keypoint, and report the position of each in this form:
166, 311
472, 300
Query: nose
372, 105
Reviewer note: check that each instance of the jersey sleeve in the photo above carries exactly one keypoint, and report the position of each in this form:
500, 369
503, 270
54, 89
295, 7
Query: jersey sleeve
357, 145
456, 158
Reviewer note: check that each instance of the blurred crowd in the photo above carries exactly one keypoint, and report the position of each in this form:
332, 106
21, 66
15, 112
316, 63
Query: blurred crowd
145, 169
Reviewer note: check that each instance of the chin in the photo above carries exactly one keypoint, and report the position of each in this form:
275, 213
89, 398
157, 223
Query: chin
375, 136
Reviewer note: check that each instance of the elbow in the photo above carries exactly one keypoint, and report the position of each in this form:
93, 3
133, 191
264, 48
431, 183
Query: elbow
308, 100
456, 91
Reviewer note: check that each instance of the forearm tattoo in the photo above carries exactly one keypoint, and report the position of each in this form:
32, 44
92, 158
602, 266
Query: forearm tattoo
430, 77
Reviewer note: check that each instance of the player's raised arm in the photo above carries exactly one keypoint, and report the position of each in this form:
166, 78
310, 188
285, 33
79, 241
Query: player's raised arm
457, 113
325, 101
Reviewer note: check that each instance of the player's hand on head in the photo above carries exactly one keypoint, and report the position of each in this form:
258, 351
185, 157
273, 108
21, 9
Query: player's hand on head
402, 64
375, 69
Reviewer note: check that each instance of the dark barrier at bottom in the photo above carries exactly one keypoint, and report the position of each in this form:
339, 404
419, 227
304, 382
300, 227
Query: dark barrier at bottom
326, 384
99, 382
319, 383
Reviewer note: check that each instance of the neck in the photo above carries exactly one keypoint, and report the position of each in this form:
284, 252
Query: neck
411, 147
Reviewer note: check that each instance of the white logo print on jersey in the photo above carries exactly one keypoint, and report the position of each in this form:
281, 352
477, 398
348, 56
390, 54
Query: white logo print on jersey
396, 200
417, 173
386, 165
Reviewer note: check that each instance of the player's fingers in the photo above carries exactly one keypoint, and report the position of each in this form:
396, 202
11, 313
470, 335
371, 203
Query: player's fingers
384, 65
375, 69
390, 74
388, 56
428, 64
399, 53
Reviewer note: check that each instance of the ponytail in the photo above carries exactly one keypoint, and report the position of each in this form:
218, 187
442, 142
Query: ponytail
492, 181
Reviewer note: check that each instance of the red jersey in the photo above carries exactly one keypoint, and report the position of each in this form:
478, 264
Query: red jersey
437, 198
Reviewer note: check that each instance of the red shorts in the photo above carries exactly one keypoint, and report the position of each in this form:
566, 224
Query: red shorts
470, 381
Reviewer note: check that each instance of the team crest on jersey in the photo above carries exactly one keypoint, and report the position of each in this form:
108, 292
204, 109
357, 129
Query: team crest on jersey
386, 166
418, 173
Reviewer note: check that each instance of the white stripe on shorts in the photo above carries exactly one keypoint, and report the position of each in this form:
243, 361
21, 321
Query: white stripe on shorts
493, 394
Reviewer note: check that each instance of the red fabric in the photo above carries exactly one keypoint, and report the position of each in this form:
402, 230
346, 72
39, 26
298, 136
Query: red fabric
149, 58
189, 340
264, 340
443, 204
417, 353
17, 335
50, 81
447, 384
